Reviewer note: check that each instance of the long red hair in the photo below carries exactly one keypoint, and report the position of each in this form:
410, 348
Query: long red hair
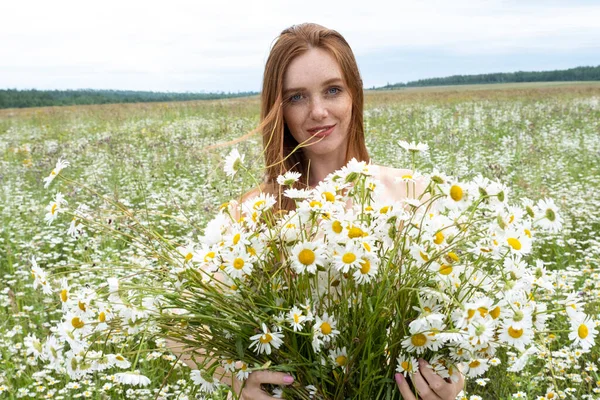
278, 142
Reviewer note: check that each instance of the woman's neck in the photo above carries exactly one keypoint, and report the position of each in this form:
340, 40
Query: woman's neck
321, 166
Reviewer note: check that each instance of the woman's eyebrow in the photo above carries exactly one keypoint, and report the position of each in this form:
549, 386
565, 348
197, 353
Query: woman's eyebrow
325, 83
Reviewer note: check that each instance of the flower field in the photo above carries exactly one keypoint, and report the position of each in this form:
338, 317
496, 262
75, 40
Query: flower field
165, 163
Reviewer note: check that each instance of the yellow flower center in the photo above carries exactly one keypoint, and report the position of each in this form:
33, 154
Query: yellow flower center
102, 316
64, 295
315, 203
582, 331
337, 227
495, 313
439, 238
355, 232
326, 328
418, 340
514, 243
236, 239
259, 204
446, 269
367, 246
456, 193
251, 250
406, 177
365, 266
81, 306
482, 311
209, 255
238, 263
424, 256
341, 360
407, 366
306, 256
474, 364
77, 323
188, 257
515, 333
348, 258
470, 313
266, 338
528, 233
384, 210
53, 209
453, 256
296, 318
329, 197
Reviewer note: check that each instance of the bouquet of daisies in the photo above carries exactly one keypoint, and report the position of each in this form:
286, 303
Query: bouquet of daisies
347, 289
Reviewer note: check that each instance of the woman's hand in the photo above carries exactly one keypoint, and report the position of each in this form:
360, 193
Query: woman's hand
253, 391
429, 385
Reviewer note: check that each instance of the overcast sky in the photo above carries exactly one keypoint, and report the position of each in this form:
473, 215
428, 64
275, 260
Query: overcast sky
223, 45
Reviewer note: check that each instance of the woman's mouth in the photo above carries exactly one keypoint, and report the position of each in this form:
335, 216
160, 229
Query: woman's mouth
321, 131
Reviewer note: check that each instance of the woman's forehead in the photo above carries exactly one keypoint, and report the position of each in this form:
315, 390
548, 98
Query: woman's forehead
315, 67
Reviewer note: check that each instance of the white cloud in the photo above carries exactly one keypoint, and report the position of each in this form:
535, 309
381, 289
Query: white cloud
148, 45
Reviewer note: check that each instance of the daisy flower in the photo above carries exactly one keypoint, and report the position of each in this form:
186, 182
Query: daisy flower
583, 331
132, 378
297, 194
288, 178
413, 147
517, 242
406, 364
296, 318
54, 208
324, 327
476, 367
233, 162
517, 335
206, 385
119, 361
456, 196
306, 256
367, 270
339, 357
263, 342
242, 371
238, 264
60, 165
551, 220
347, 258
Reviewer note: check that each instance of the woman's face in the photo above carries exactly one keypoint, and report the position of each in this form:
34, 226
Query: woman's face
317, 104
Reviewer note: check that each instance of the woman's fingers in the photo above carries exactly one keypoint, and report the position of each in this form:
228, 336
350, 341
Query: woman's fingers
274, 378
405, 391
437, 384
422, 387
252, 388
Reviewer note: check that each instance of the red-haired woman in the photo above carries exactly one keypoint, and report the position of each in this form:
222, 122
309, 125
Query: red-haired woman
312, 123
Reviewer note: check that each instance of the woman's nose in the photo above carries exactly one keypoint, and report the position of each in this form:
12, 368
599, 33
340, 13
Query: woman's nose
318, 110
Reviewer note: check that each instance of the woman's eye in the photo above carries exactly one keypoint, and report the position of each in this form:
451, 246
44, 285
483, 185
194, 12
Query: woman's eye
296, 97
333, 90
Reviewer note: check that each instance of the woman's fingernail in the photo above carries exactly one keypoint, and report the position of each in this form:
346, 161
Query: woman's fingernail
288, 379
399, 378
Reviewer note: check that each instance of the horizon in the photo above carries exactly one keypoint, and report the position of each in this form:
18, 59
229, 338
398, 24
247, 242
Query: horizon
185, 48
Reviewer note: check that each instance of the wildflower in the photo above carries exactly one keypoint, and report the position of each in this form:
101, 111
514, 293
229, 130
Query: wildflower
551, 220
339, 357
263, 342
516, 334
132, 378
347, 258
476, 367
238, 264
242, 371
306, 256
233, 162
54, 208
367, 270
325, 327
297, 194
413, 146
60, 165
406, 364
288, 178
206, 385
583, 331
296, 318
39, 277
119, 361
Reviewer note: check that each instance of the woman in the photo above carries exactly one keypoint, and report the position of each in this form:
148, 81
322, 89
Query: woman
312, 123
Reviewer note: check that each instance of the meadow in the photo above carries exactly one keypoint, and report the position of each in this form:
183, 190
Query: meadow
165, 162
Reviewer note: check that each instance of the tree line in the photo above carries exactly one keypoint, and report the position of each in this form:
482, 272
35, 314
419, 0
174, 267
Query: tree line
572, 74
14, 98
